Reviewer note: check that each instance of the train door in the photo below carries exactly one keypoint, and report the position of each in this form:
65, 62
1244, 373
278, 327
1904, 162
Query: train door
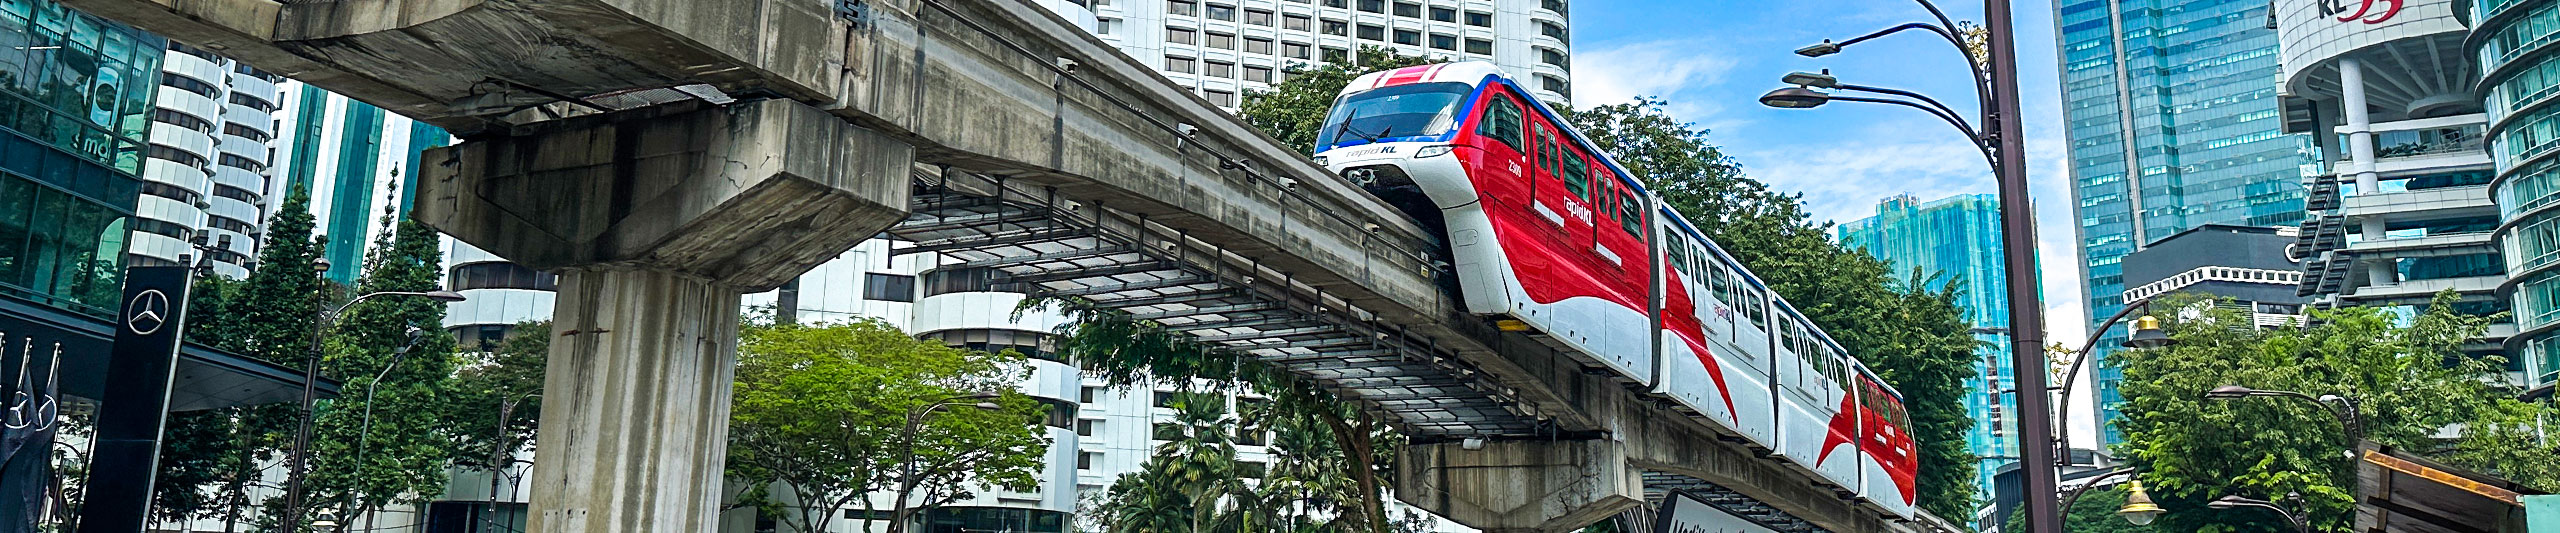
1481, 233
1888, 457
1692, 373
1816, 420
1744, 353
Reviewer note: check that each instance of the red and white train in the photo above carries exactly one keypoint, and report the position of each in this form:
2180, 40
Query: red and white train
1547, 231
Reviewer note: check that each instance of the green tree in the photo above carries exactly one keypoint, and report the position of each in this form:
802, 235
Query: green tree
2408, 372
1293, 111
384, 439
2094, 513
496, 402
1908, 329
819, 421
214, 459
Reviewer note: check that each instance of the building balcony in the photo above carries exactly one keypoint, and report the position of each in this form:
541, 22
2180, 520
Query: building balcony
2447, 202
185, 140
181, 176
250, 117
2422, 291
191, 104
2426, 246
189, 65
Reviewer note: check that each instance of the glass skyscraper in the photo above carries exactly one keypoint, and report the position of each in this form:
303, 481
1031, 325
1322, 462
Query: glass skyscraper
75, 118
2512, 40
1957, 240
2172, 116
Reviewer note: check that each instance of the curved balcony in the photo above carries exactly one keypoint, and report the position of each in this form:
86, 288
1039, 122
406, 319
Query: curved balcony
245, 147
198, 68
250, 117
234, 241
170, 211
185, 140
192, 104
257, 87
977, 310
181, 176
231, 209
157, 246
240, 178
228, 270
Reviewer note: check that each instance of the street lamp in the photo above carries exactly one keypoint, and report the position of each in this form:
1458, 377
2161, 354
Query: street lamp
2147, 333
2350, 416
301, 452
2002, 141
2235, 502
907, 467
2138, 508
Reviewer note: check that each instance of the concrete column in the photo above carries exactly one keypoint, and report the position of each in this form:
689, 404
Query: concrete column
1520, 486
657, 219
2360, 160
637, 403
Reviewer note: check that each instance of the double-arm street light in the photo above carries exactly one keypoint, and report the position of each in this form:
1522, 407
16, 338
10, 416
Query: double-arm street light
2001, 138
2348, 411
907, 467
2235, 502
301, 452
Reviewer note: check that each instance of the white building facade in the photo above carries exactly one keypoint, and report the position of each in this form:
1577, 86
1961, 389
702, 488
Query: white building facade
207, 181
1224, 48
2400, 208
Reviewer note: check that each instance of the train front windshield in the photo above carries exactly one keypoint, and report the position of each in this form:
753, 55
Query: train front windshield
1386, 113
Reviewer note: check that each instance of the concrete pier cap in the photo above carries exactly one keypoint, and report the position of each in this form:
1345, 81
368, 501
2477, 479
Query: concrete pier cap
747, 195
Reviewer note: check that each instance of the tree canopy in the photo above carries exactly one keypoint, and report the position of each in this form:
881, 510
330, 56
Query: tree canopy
820, 421
2414, 385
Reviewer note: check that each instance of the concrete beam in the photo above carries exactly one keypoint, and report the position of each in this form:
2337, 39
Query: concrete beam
1520, 486
461, 63
747, 196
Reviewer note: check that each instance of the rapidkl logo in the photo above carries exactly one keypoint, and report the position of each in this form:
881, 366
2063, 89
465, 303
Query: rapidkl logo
2363, 12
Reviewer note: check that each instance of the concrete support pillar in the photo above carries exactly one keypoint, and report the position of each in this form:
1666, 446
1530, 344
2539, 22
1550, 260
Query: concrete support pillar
2360, 158
657, 219
1520, 486
637, 403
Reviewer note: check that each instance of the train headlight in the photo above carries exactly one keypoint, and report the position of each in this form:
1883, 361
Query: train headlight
1435, 150
1322, 161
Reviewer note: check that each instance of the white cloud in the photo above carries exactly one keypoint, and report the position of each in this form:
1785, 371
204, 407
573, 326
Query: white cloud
1623, 72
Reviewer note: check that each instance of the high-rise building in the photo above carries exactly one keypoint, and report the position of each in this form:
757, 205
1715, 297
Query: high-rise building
357, 161
2174, 123
1225, 47
2399, 204
72, 152
2239, 266
1956, 240
2517, 78
206, 184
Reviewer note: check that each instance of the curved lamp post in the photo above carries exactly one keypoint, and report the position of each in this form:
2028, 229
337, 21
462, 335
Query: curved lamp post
2347, 410
2235, 502
301, 452
2138, 508
2147, 333
2002, 141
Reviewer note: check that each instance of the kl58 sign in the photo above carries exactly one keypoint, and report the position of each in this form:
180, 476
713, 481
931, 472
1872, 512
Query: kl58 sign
2365, 10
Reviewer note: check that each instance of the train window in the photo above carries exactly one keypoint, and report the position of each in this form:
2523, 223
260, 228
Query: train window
1718, 280
1755, 306
1547, 150
1575, 172
1501, 122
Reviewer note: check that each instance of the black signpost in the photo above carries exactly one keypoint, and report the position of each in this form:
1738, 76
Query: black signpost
135, 401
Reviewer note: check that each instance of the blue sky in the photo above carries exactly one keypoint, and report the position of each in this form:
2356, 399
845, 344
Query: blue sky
1711, 60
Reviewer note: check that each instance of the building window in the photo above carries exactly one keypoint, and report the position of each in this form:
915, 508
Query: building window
1164, 398
1294, 50
1219, 12
1373, 32
1257, 46
1178, 64
1296, 22
1220, 69
501, 275
1186, 8
1336, 55
1552, 57
1444, 42
889, 287
1084, 428
1480, 46
1479, 18
481, 337
1550, 29
1168, 431
1251, 469
1336, 27
1373, 6
1222, 41
1408, 37
1222, 98
1030, 344
1085, 460
1553, 5
1181, 36
1257, 17
1443, 14
1408, 9
1553, 84
1257, 74
951, 280
1089, 394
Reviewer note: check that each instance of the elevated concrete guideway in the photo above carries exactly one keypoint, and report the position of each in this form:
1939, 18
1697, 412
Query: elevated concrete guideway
667, 155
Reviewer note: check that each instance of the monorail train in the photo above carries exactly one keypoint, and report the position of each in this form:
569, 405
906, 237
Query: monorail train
1548, 233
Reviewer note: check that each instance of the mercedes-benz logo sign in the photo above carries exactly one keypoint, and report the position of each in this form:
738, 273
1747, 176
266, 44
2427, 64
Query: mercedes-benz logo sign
147, 312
